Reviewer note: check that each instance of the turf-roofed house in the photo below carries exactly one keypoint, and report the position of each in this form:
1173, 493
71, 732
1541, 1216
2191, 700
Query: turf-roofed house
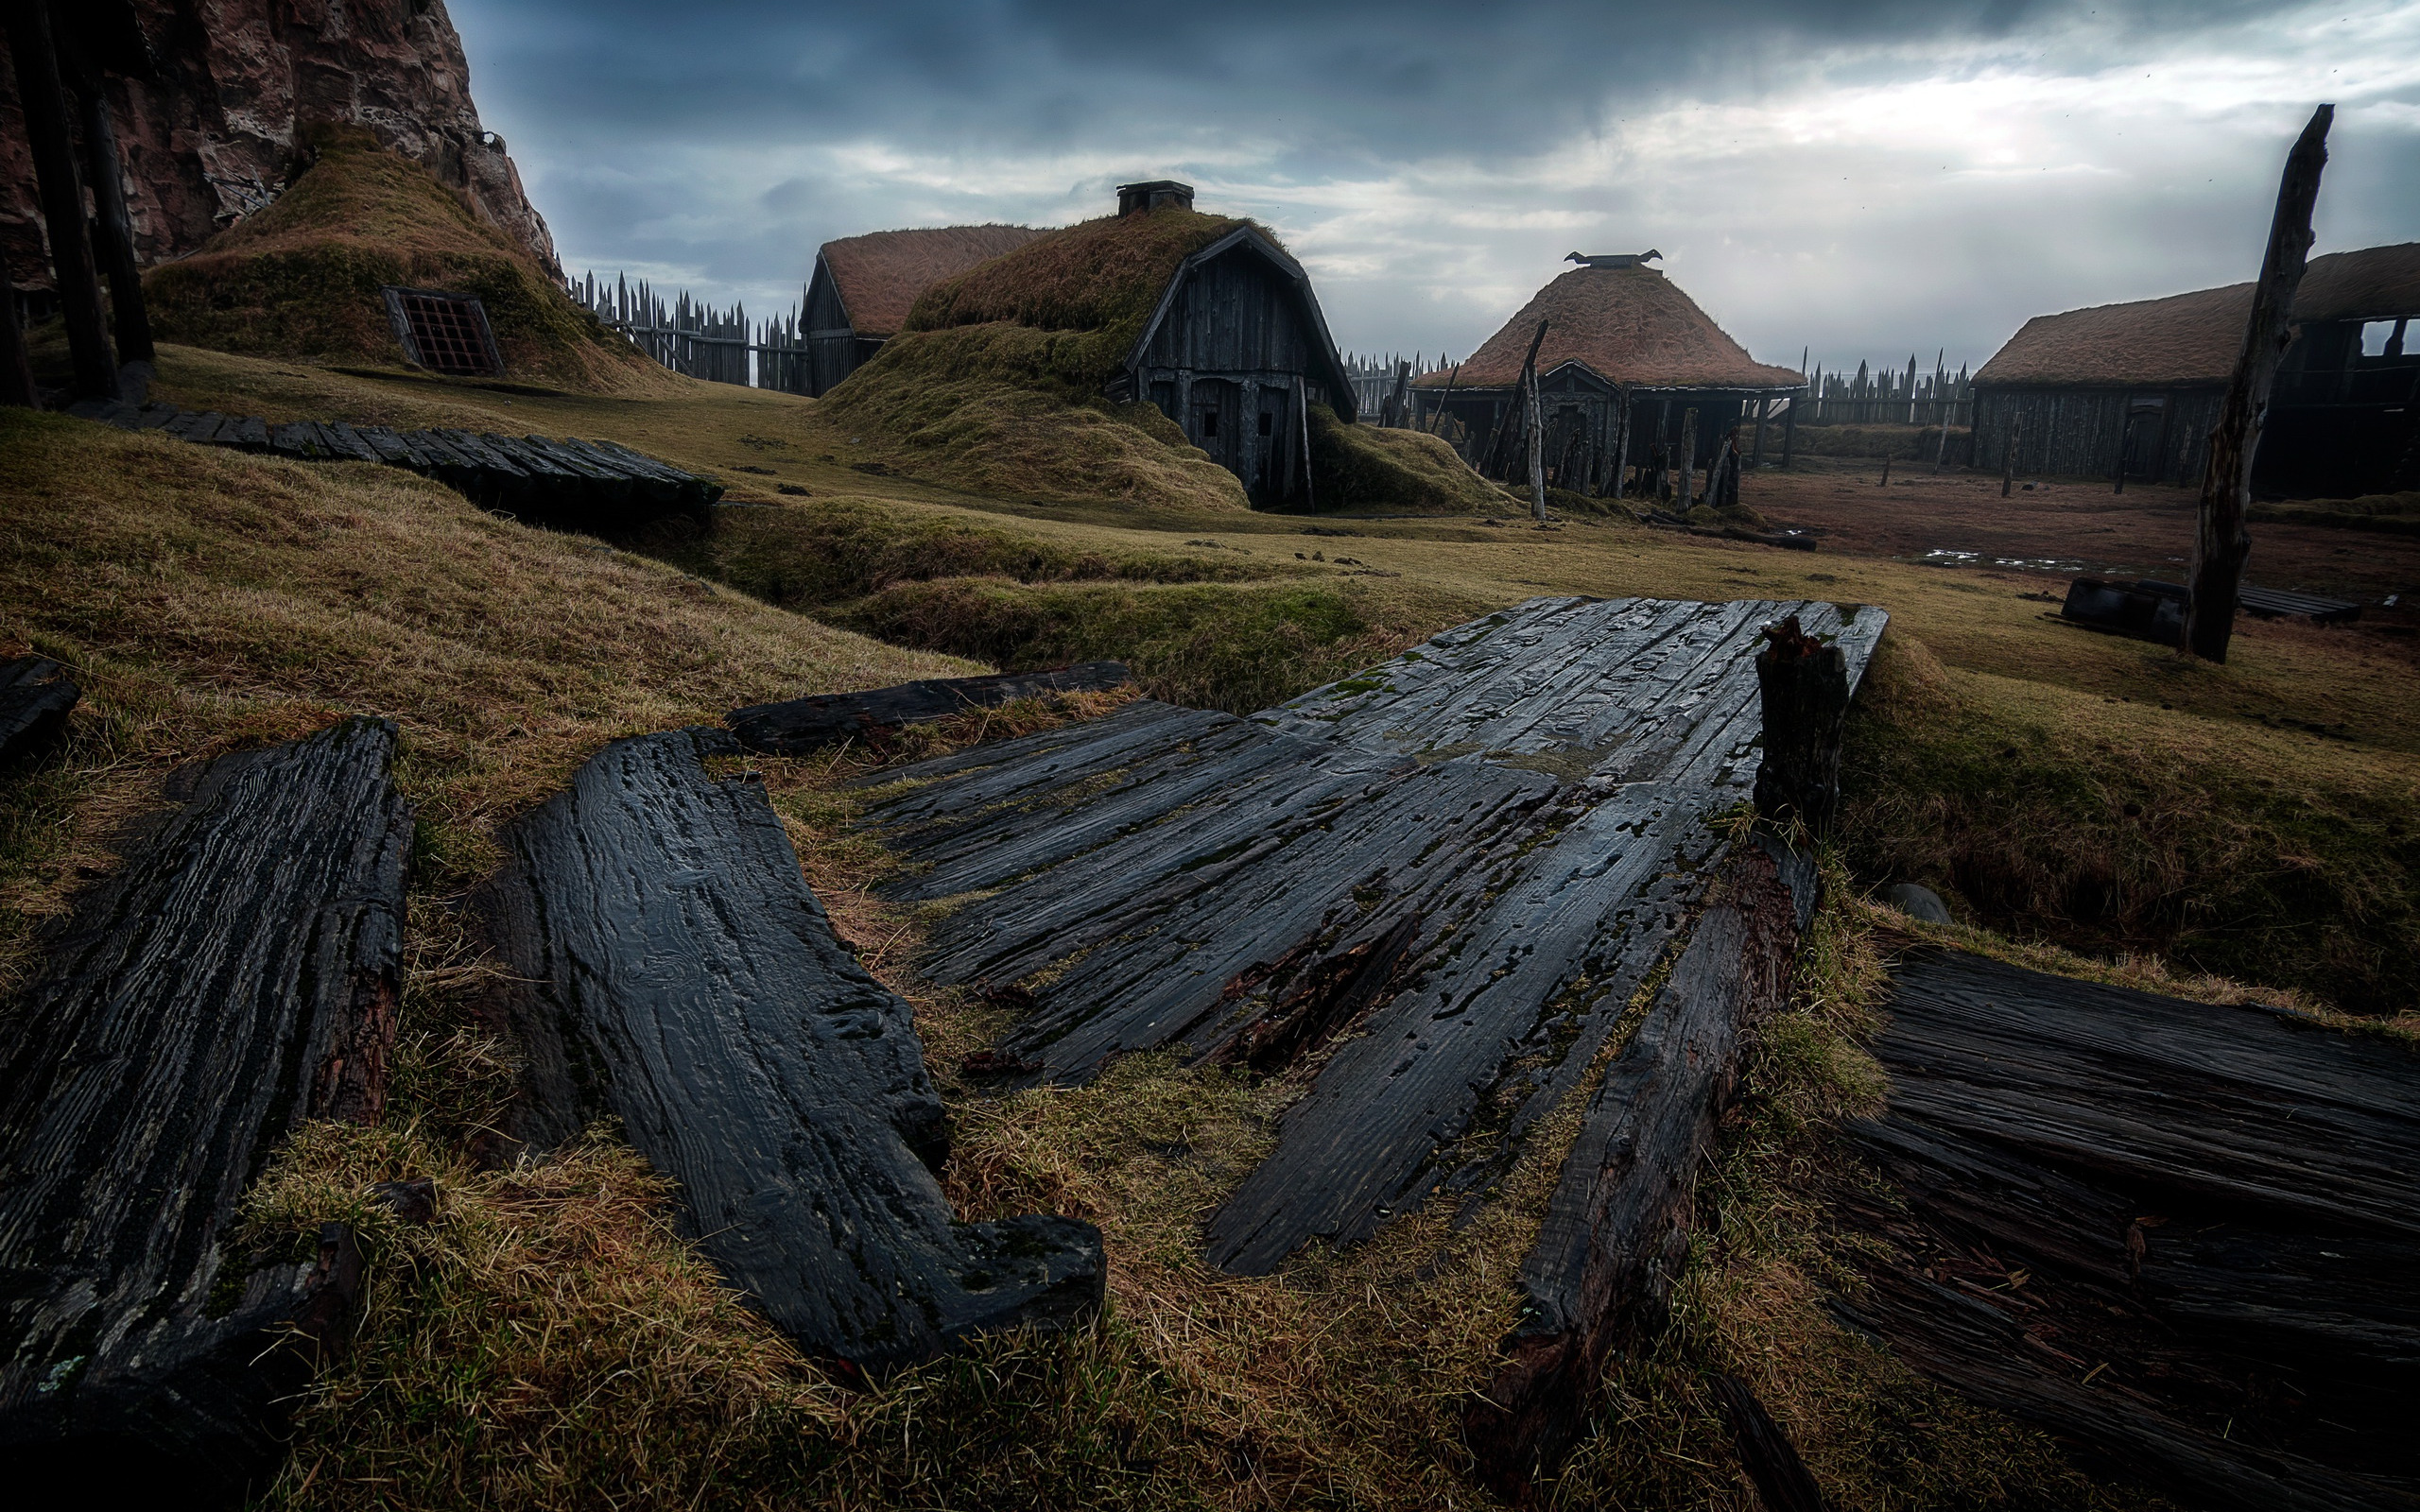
2080, 392
863, 287
1204, 317
1626, 359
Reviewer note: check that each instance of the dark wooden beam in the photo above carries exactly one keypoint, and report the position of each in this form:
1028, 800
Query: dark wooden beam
2222, 541
801, 726
113, 229
238, 975
36, 696
1802, 687
50, 133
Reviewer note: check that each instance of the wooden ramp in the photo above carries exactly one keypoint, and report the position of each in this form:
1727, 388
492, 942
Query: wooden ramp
239, 975
575, 485
1448, 875
2179, 1237
672, 970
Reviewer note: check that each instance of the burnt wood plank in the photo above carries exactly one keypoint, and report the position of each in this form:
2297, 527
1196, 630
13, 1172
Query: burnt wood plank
673, 970
2218, 1206
800, 726
36, 696
237, 975
1616, 1229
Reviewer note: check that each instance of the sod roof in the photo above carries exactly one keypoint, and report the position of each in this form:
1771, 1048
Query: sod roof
2194, 338
880, 275
1104, 275
1627, 325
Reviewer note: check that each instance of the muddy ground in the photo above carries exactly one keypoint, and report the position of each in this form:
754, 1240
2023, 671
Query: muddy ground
2062, 527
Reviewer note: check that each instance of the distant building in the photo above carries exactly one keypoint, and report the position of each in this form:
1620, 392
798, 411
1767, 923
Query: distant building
1627, 356
863, 287
2143, 382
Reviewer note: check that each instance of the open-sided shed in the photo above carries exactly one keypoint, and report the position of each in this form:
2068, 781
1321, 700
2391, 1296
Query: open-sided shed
1626, 354
863, 287
2138, 385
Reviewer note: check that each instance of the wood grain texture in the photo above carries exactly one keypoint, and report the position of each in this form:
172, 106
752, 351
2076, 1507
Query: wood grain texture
36, 696
1512, 816
237, 975
1616, 1229
2214, 1213
673, 970
800, 726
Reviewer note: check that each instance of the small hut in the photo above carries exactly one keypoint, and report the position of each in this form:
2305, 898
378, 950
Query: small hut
2138, 386
863, 287
1627, 356
1205, 318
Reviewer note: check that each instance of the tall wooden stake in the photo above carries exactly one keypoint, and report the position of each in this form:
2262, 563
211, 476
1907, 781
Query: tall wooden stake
1538, 450
1789, 430
2222, 543
1622, 443
2008, 449
114, 241
48, 134
1688, 459
1303, 421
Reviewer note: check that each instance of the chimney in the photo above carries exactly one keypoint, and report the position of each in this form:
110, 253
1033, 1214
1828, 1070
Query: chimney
1139, 198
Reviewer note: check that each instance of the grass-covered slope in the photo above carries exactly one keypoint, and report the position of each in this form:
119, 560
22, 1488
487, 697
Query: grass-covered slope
1370, 471
302, 277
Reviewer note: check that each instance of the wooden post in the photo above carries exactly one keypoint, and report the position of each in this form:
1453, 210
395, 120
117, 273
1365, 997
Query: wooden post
16, 373
1689, 459
1622, 443
1805, 684
2125, 433
1438, 426
1941, 452
1886, 470
1789, 430
1303, 419
1756, 451
2008, 449
44, 99
2222, 543
1538, 450
115, 229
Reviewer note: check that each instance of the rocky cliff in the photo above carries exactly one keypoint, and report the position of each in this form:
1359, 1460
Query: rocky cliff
215, 131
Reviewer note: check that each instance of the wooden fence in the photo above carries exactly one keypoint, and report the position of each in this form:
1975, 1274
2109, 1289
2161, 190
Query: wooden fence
1376, 379
1889, 397
694, 338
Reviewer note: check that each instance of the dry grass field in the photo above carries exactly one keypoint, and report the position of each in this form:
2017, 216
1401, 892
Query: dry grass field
2096, 805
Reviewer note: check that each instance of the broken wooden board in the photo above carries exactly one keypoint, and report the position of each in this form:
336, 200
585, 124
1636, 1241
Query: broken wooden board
593, 486
2178, 1236
36, 698
803, 726
1455, 869
1616, 1231
237, 975
672, 970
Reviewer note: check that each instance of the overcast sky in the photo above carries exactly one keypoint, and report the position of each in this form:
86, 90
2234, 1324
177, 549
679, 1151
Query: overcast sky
1866, 179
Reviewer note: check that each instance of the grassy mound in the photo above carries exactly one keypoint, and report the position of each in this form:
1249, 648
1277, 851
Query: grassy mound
1370, 471
2392, 513
303, 277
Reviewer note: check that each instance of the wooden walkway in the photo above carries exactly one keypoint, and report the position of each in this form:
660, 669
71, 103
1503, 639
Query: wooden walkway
1447, 876
2179, 1237
595, 486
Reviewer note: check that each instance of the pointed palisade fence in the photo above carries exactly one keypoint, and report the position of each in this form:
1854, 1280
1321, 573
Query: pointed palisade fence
697, 340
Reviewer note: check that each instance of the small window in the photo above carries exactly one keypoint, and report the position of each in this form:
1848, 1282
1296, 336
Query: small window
2382, 339
445, 333
1266, 420
1209, 424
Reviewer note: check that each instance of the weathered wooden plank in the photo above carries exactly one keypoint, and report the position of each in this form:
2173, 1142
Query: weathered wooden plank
36, 696
237, 975
249, 434
1616, 1229
345, 442
2216, 1208
800, 726
673, 970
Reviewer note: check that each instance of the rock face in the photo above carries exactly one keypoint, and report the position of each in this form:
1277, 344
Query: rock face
216, 131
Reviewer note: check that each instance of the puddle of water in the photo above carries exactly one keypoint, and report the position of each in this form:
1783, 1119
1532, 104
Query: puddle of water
1944, 557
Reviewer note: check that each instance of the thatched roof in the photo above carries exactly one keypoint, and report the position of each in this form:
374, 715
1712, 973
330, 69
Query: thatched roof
2194, 338
880, 276
1627, 325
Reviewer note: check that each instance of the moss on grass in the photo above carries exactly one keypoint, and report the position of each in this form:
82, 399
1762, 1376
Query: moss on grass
1364, 470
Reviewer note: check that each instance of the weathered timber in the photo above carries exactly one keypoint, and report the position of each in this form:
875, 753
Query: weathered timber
672, 970
50, 139
1455, 869
593, 486
1782, 1480
35, 700
802, 725
1616, 1229
2176, 1235
1803, 691
2222, 543
237, 975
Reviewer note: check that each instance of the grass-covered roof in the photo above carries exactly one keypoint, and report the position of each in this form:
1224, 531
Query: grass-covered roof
303, 277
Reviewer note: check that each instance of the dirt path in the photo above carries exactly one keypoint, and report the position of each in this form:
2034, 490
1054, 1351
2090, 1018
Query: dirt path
2061, 527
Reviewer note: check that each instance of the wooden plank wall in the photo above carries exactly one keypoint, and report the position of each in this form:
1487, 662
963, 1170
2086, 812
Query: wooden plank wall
2075, 432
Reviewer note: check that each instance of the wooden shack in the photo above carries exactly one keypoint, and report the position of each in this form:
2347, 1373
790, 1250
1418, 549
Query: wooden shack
863, 287
2138, 385
1627, 356
1206, 318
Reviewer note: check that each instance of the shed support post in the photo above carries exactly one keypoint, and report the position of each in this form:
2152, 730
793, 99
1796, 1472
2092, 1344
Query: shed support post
1789, 430
1757, 453
1689, 459
43, 98
2008, 449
